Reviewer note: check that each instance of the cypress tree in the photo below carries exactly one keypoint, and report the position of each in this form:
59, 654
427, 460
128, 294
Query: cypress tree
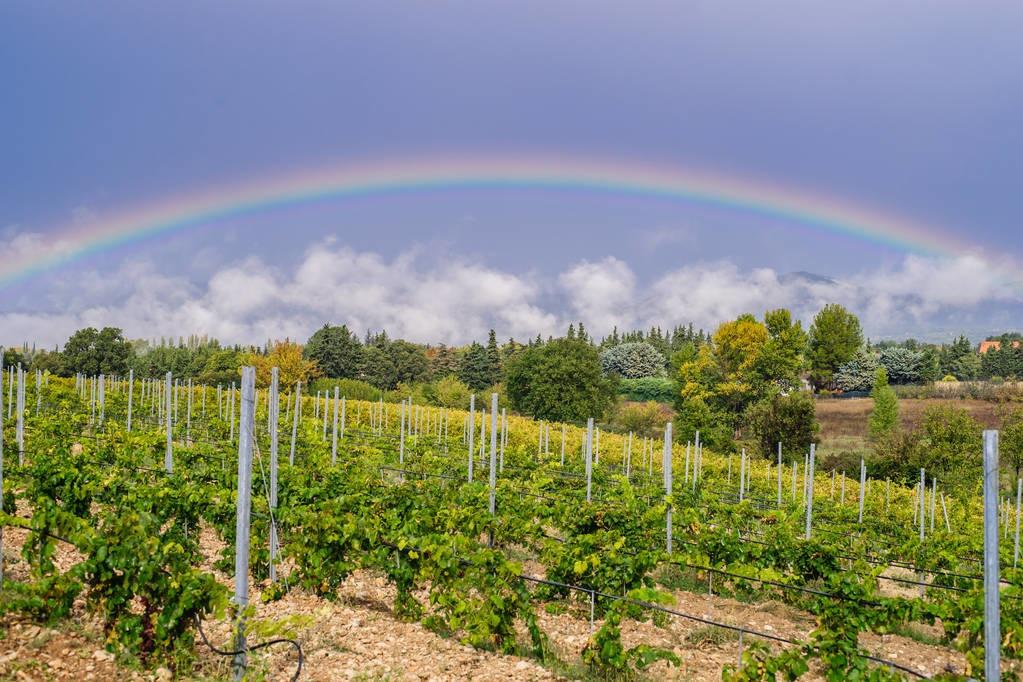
884, 418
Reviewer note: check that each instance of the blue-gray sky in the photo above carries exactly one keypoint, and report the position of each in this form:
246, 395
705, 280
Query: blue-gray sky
910, 109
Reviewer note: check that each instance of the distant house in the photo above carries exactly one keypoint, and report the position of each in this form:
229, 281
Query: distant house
985, 346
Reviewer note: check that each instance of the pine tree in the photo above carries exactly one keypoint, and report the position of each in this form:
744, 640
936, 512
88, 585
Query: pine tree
474, 367
493, 358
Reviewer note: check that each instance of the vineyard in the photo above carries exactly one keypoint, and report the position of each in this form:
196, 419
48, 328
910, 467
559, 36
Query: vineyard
179, 516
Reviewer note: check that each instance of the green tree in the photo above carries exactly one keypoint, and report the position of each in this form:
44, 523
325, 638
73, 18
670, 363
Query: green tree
859, 373
409, 360
951, 355
442, 361
378, 367
966, 367
386, 363
97, 352
902, 365
686, 352
714, 426
493, 358
782, 357
930, 364
336, 351
12, 358
787, 419
450, 392
884, 417
560, 380
951, 445
474, 367
222, 368
508, 351
48, 361
632, 360
834, 338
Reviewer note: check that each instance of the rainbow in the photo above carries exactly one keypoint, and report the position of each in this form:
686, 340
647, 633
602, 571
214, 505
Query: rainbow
818, 212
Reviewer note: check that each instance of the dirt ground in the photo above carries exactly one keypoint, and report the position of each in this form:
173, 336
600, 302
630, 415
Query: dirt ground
357, 637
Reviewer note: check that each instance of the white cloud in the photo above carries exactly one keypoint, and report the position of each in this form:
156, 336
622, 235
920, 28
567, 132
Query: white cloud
249, 301
601, 294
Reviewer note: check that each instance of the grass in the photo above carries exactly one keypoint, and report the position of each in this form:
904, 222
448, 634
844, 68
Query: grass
848, 417
682, 579
710, 634
844, 433
918, 634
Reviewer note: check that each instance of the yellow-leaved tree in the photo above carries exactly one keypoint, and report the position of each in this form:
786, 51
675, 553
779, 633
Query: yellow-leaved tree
287, 356
737, 347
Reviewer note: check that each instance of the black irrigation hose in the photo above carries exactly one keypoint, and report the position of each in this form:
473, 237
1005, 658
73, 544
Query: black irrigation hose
257, 647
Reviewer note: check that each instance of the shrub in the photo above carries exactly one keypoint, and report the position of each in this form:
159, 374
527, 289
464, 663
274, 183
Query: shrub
353, 389
659, 389
787, 419
713, 425
643, 419
450, 392
947, 445
898, 456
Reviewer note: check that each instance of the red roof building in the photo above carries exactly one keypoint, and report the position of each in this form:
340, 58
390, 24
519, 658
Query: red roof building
985, 346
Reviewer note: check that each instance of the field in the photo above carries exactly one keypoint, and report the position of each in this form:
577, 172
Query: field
848, 417
844, 423
399, 556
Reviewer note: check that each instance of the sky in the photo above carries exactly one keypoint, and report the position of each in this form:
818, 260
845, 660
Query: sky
906, 110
